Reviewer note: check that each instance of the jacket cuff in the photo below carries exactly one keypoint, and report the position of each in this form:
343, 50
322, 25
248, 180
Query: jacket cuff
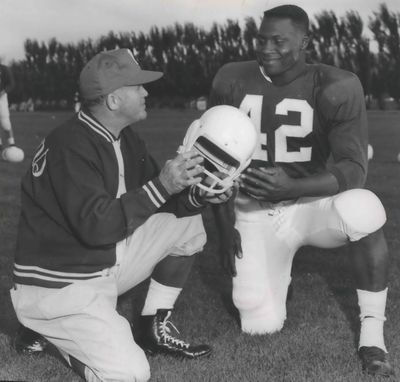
194, 197
156, 192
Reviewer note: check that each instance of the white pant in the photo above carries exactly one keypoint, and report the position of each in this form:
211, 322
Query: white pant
81, 319
5, 122
272, 233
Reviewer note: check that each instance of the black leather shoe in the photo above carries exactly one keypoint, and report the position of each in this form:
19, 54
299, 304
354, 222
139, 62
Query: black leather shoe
29, 342
155, 337
374, 361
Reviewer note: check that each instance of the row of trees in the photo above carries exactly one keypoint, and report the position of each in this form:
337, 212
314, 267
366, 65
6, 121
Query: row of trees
189, 56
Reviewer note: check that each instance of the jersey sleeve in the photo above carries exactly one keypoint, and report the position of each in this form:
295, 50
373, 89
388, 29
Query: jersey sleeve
342, 103
220, 93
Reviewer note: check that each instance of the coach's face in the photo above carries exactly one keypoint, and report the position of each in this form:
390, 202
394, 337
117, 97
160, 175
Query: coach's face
132, 103
280, 45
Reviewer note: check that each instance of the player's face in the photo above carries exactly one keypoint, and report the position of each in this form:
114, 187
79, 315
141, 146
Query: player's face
279, 45
133, 103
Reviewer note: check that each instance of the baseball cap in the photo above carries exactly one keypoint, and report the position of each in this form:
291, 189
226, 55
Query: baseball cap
111, 70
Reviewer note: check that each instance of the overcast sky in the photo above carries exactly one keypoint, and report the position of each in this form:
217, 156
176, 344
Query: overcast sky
72, 20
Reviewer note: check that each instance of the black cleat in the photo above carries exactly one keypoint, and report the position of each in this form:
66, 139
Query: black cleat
374, 361
155, 337
29, 342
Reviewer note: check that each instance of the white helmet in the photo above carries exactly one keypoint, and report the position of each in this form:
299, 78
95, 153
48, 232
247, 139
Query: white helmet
226, 138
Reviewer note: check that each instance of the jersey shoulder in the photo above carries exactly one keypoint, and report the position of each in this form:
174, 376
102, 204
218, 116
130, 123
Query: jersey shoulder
337, 85
241, 70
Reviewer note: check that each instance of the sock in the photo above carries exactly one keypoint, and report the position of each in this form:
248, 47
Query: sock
372, 316
159, 296
10, 138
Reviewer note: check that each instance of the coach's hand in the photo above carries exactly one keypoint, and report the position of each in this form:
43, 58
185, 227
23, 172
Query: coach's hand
182, 171
270, 184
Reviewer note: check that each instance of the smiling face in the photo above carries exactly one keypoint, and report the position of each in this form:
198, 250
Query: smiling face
280, 46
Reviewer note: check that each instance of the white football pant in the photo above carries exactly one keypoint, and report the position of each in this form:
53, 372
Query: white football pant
272, 233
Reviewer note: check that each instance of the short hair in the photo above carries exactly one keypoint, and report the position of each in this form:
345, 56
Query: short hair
91, 103
296, 14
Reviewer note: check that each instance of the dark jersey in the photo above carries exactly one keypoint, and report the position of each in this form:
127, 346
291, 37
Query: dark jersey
319, 115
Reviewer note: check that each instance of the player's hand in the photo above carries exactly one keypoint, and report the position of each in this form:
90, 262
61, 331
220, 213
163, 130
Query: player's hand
269, 184
182, 171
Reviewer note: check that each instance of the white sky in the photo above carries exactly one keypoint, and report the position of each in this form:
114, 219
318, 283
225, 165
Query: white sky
72, 20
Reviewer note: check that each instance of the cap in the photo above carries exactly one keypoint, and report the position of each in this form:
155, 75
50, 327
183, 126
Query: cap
111, 70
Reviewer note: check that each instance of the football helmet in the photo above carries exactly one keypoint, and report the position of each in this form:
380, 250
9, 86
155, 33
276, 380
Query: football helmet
226, 138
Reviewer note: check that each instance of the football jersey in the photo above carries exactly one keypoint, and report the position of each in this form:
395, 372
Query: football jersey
317, 122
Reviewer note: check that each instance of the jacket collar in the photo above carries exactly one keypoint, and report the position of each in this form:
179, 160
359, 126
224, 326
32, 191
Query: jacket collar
96, 126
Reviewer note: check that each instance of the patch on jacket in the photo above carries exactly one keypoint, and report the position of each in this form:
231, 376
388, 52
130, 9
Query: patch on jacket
39, 160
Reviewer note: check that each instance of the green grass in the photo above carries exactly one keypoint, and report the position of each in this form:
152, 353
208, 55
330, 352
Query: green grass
318, 342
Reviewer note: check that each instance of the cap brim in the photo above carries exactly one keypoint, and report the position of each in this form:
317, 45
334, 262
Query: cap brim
146, 76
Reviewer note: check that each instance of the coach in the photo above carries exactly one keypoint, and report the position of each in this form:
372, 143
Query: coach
98, 218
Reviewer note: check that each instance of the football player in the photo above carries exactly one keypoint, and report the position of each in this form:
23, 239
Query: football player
290, 196
10, 152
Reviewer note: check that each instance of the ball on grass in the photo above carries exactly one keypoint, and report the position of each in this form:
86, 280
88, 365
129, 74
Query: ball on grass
13, 154
370, 152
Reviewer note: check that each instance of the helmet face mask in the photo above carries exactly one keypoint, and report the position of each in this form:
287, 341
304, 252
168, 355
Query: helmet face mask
226, 138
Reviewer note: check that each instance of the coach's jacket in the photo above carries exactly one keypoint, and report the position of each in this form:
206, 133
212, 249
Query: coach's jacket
71, 217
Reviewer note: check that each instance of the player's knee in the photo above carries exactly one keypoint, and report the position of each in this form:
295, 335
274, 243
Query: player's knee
247, 298
258, 315
361, 212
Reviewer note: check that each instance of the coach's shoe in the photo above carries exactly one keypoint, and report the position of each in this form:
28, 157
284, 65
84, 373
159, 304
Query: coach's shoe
155, 337
29, 342
374, 361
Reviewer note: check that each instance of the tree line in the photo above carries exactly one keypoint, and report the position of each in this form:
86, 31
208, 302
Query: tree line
190, 56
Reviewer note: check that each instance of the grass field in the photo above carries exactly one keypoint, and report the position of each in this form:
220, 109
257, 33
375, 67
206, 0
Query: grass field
318, 342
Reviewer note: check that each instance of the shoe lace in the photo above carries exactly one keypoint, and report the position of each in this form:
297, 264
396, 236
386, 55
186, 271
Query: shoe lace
166, 332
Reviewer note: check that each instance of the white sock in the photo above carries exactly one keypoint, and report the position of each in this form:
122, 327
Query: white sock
159, 296
372, 316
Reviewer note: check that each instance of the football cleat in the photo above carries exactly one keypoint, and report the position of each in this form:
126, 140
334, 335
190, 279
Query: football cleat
28, 341
156, 337
374, 361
